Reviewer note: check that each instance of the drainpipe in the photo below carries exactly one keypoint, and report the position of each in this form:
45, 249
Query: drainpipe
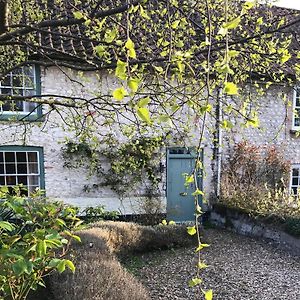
218, 145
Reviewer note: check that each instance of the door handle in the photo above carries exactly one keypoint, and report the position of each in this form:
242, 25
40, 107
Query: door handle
183, 194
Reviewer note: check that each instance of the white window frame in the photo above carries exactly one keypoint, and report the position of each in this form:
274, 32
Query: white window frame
30, 187
24, 88
296, 91
295, 166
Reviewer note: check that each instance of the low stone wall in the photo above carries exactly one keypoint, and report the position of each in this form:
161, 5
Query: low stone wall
244, 224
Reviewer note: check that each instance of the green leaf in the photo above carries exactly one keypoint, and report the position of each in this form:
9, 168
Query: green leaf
158, 69
172, 223
202, 265
119, 93
6, 226
175, 24
232, 24
70, 265
198, 192
121, 70
19, 267
191, 230
143, 102
129, 45
41, 248
110, 35
201, 246
189, 179
78, 15
230, 88
133, 84
248, 5
144, 114
195, 281
208, 295
164, 222
61, 266
100, 50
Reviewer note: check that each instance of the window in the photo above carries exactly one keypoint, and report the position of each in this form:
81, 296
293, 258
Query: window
295, 179
22, 165
20, 82
296, 109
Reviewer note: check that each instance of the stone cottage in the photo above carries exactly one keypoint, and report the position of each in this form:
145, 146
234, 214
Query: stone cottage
33, 136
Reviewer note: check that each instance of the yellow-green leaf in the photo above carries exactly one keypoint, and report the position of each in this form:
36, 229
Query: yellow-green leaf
233, 23
195, 281
133, 84
202, 265
78, 15
208, 295
121, 69
119, 93
129, 45
172, 223
143, 102
191, 230
144, 114
197, 192
164, 222
230, 88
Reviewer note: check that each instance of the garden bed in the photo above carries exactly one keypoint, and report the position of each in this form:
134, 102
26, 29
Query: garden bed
285, 232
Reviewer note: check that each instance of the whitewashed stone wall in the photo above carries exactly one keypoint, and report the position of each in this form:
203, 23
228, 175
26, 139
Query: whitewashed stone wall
275, 128
68, 184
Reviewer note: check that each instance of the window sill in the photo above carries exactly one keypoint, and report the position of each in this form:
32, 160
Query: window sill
21, 117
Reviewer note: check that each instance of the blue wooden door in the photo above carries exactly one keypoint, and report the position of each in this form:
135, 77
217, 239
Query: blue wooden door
180, 202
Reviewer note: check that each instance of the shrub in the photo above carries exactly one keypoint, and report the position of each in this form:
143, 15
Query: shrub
97, 213
33, 242
98, 273
292, 226
254, 180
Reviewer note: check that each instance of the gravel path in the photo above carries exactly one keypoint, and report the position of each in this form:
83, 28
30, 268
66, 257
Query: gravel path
240, 268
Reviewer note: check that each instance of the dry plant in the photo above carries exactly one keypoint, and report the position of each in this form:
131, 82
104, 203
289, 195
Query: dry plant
254, 180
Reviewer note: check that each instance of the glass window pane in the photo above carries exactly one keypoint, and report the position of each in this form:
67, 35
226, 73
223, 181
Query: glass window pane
6, 91
29, 82
295, 181
17, 81
32, 157
10, 168
11, 180
295, 172
33, 168
28, 70
2, 180
33, 180
10, 157
21, 157
7, 106
1, 156
22, 179
22, 168
6, 81
1, 168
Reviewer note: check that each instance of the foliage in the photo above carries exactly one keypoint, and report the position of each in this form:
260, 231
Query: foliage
131, 164
98, 213
172, 63
254, 180
33, 243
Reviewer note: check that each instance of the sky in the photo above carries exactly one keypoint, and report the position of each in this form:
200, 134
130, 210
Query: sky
289, 3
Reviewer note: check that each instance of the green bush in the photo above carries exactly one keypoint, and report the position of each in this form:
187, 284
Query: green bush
33, 241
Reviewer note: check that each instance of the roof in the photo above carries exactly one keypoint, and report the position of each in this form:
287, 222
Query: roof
60, 38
